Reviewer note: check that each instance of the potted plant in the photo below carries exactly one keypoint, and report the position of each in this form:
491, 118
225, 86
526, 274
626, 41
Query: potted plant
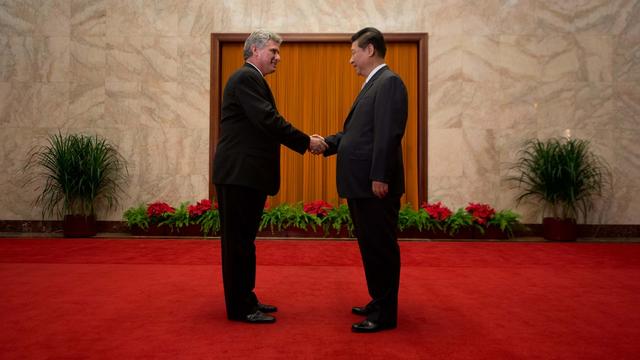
338, 221
75, 173
137, 219
566, 176
207, 215
292, 218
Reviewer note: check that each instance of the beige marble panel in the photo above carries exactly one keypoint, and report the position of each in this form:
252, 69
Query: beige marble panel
559, 58
627, 105
595, 58
20, 59
160, 105
595, 106
626, 63
481, 103
124, 18
18, 17
124, 59
520, 58
519, 105
445, 155
52, 105
482, 17
194, 59
626, 14
445, 57
593, 17
87, 106
480, 155
517, 17
159, 17
159, 59
554, 17
88, 59
481, 58
38, 59
88, 17
17, 104
35, 17
627, 154
444, 17
193, 105
445, 104
556, 105
123, 105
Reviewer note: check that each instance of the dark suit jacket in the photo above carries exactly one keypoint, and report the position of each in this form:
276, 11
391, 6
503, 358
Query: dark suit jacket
251, 131
369, 146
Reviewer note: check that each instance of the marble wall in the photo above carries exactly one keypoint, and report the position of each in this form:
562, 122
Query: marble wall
500, 71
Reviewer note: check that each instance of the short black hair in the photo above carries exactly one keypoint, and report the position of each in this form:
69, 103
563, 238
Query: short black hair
371, 36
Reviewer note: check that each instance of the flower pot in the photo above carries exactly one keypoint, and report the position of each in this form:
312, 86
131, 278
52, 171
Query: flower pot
189, 230
556, 229
491, 232
152, 230
79, 226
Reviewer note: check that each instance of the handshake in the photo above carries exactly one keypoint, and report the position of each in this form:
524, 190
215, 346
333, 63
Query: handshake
317, 145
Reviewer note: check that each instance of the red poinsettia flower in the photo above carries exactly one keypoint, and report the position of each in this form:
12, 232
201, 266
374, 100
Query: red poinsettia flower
267, 205
318, 207
481, 213
200, 208
157, 209
437, 210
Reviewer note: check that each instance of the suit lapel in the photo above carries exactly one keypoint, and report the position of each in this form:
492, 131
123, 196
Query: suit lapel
364, 90
265, 84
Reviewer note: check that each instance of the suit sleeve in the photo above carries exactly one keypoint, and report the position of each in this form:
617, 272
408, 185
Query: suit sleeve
390, 120
333, 141
264, 115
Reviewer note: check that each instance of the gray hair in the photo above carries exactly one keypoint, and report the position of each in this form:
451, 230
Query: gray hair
259, 38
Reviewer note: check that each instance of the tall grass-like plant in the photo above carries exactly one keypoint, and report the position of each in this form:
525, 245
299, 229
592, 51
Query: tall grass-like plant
562, 173
77, 171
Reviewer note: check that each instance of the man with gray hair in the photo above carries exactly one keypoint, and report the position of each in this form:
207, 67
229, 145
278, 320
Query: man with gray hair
246, 169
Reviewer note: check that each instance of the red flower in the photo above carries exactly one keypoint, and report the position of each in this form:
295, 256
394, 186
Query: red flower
156, 209
481, 212
437, 210
200, 208
267, 205
318, 207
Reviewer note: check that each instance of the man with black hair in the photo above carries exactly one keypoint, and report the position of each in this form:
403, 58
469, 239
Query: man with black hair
370, 175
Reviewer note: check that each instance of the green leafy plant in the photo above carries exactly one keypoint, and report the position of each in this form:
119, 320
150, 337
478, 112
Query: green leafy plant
336, 218
285, 215
457, 221
562, 173
418, 219
177, 219
506, 220
209, 222
78, 172
137, 217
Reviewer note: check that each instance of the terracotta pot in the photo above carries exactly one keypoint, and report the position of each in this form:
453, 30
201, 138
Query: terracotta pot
559, 229
79, 226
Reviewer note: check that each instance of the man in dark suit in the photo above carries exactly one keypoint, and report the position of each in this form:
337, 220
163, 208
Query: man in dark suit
370, 175
247, 168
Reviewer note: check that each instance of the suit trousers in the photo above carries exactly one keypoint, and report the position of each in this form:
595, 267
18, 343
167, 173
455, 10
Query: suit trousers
240, 213
376, 222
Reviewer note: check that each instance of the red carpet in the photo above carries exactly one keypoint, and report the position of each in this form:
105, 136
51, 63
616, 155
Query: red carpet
133, 299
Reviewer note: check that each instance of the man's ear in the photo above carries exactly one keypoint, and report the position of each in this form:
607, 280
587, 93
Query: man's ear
370, 50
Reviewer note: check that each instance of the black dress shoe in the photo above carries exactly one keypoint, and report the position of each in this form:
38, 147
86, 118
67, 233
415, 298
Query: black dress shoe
361, 310
259, 317
368, 326
267, 308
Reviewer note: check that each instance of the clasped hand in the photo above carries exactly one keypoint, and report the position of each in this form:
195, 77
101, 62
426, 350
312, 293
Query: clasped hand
317, 145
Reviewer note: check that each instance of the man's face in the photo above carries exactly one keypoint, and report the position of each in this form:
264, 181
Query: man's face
361, 58
267, 58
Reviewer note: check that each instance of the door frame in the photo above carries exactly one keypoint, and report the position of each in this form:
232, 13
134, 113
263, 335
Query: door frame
421, 39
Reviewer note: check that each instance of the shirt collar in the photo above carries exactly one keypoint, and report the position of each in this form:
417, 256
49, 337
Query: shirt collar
248, 62
375, 70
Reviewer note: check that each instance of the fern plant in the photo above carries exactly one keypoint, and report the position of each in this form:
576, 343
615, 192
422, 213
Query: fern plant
137, 217
336, 218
